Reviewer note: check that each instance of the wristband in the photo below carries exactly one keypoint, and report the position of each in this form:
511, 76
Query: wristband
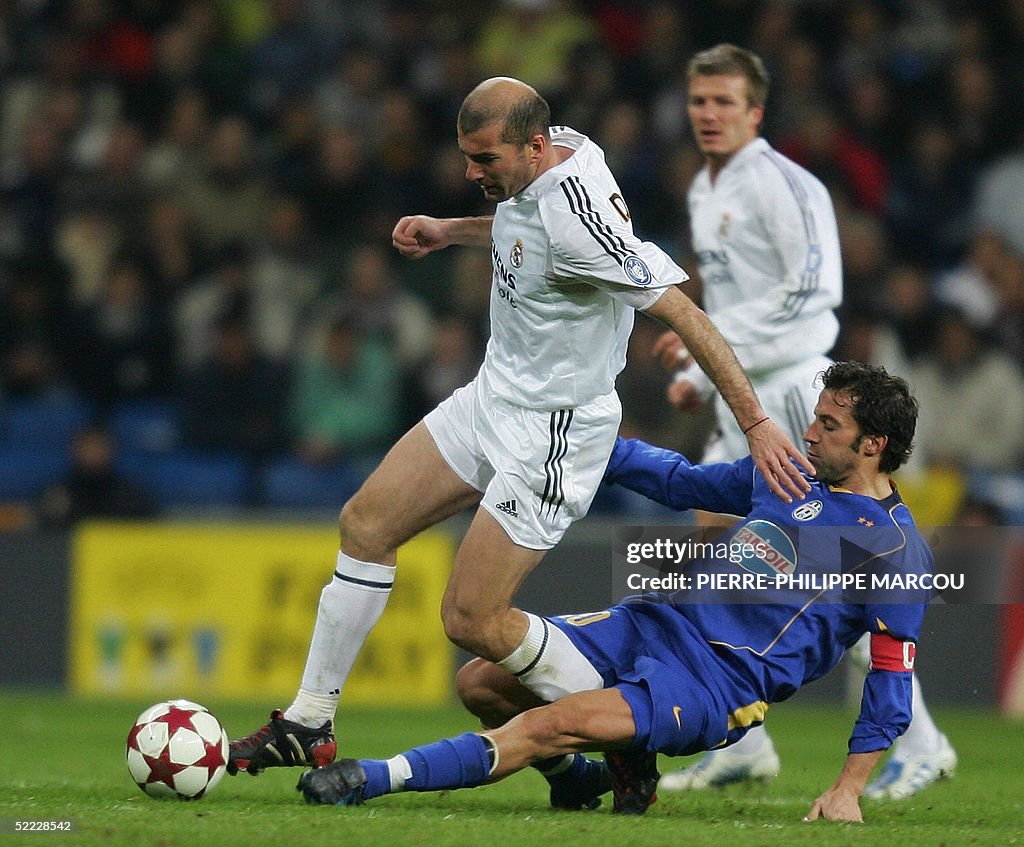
756, 423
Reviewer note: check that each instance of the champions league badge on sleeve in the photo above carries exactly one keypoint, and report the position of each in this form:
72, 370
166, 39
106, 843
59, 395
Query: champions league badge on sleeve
637, 270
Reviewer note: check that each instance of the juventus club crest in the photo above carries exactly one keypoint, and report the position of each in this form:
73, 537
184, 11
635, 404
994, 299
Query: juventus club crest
516, 256
807, 511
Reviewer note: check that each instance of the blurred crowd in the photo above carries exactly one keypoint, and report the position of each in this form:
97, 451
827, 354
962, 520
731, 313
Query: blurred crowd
196, 198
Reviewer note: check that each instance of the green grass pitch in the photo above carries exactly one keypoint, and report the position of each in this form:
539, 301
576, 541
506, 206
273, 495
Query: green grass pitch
63, 758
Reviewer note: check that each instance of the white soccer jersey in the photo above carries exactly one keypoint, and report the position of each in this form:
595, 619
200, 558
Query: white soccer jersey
567, 273
768, 249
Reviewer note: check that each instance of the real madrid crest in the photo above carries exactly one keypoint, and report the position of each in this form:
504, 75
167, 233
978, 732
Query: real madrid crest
516, 256
723, 225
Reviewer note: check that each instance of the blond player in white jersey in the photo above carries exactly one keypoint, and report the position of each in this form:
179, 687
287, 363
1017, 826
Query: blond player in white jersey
765, 235
527, 441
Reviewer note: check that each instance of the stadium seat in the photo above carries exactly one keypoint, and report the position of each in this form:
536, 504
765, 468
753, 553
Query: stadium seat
44, 422
147, 426
185, 478
289, 483
26, 471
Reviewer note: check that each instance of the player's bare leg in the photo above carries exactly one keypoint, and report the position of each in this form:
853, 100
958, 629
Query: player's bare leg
412, 489
492, 694
585, 722
495, 696
478, 615
477, 606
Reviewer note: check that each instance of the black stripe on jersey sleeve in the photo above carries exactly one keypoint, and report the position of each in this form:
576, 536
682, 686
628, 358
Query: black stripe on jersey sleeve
580, 205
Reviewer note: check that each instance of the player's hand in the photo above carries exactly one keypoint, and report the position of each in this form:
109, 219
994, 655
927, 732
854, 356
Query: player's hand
416, 236
671, 352
683, 395
836, 804
777, 459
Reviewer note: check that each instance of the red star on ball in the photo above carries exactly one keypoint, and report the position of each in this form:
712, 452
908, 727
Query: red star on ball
162, 769
213, 758
176, 719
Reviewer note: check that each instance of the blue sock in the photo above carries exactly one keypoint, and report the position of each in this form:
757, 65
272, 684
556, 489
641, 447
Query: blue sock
566, 775
460, 762
378, 778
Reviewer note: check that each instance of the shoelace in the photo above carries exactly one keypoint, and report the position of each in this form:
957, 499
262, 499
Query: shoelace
262, 734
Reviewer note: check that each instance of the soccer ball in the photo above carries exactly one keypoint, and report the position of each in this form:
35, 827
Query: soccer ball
177, 749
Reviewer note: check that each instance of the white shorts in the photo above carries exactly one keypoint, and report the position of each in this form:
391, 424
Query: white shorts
788, 395
538, 471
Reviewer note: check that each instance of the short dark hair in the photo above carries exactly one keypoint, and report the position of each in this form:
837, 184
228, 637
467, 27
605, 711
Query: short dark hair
527, 117
881, 405
729, 60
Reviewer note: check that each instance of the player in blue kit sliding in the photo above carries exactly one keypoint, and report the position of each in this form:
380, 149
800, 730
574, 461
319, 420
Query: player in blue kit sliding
681, 675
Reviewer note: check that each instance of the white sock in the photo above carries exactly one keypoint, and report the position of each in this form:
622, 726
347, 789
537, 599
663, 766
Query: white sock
312, 709
922, 736
751, 743
548, 663
350, 605
399, 772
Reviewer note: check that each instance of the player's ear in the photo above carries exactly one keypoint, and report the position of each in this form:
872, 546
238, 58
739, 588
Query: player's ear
757, 114
874, 445
537, 146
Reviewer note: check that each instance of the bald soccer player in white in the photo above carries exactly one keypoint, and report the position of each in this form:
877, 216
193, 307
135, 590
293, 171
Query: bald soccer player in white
527, 441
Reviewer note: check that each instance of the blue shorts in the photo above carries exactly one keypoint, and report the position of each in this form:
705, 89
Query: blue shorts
680, 693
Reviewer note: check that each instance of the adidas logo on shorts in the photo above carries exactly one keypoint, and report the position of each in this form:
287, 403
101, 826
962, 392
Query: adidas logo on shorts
508, 507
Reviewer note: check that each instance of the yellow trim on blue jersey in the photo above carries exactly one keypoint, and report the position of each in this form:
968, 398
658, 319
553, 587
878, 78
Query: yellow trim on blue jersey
747, 715
586, 618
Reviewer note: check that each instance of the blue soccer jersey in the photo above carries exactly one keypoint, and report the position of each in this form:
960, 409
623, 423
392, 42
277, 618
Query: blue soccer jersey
748, 649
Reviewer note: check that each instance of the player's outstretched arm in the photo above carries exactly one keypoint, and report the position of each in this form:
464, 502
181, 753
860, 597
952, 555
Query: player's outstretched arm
842, 801
775, 456
416, 236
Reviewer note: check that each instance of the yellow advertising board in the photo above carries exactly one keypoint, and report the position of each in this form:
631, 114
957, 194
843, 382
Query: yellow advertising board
212, 610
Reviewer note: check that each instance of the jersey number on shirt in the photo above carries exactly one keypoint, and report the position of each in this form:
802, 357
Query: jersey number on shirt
620, 206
